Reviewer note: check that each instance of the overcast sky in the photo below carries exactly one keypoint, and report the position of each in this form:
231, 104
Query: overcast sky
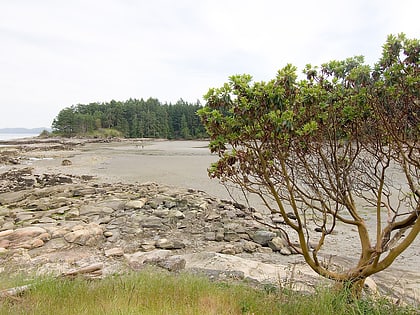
58, 53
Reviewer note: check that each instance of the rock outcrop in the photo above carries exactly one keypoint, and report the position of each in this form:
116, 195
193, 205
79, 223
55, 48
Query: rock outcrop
56, 218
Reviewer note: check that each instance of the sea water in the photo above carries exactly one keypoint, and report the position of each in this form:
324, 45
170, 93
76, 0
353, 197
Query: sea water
13, 136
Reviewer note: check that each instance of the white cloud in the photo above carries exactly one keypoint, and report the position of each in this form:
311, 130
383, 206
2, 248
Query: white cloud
59, 53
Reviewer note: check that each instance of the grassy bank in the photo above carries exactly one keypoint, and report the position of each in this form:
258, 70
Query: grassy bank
155, 292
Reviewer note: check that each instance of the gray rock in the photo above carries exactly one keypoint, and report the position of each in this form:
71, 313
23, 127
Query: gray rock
8, 225
115, 204
84, 191
66, 162
278, 219
114, 252
93, 209
231, 249
277, 244
258, 216
164, 243
102, 219
176, 214
220, 235
113, 236
13, 197
148, 246
169, 204
250, 247
4, 212
136, 204
172, 263
120, 221
108, 234
213, 215
264, 250
286, 251
151, 222
154, 204
46, 220
60, 179
24, 216
230, 236
137, 259
72, 214
262, 237
210, 236
161, 213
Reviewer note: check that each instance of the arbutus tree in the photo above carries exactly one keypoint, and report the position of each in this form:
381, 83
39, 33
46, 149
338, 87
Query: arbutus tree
342, 141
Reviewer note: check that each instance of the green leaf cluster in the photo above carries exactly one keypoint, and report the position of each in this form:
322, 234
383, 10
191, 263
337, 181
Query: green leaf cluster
337, 101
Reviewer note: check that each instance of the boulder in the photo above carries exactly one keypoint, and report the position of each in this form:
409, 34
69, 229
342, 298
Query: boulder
250, 247
277, 243
66, 162
89, 235
115, 204
251, 269
13, 197
26, 233
27, 237
94, 209
171, 263
262, 237
84, 191
151, 222
169, 244
114, 252
176, 214
136, 204
231, 236
137, 259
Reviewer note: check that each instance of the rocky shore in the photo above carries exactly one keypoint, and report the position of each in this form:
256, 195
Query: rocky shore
61, 220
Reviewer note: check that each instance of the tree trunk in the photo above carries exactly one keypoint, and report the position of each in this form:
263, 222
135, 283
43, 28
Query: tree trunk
351, 289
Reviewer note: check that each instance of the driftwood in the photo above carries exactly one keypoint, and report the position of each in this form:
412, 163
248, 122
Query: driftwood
12, 292
91, 271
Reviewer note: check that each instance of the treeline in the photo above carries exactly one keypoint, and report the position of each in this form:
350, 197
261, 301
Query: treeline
132, 119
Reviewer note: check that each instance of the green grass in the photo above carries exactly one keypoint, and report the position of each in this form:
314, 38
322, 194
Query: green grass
156, 292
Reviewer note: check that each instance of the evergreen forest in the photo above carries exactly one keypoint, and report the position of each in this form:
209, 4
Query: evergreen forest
131, 119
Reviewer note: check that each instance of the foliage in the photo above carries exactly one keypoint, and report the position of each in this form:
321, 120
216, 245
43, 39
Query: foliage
45, 134
156, 292
328, 147
132, 119
106, 133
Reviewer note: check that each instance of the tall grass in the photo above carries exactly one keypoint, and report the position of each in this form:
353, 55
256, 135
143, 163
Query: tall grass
153, 292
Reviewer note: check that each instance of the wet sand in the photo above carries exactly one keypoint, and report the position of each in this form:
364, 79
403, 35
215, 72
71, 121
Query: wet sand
174, 163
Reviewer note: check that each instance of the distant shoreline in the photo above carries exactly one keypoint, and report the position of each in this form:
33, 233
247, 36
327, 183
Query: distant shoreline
6, 136
36, 131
